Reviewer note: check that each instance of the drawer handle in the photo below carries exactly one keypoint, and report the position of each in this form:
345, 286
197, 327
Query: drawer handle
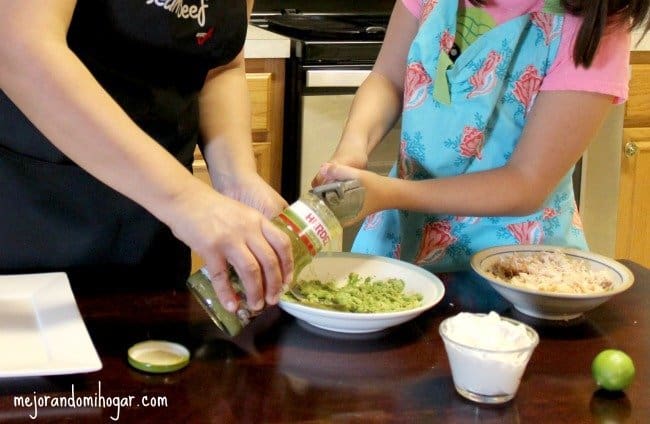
631, 149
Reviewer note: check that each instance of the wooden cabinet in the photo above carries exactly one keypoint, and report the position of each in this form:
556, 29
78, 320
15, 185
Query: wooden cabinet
265, 79
633, 222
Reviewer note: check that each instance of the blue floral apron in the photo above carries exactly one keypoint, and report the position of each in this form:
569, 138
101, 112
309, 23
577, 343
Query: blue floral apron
467, 116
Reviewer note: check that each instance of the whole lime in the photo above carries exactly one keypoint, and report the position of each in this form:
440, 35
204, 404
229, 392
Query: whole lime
613, 370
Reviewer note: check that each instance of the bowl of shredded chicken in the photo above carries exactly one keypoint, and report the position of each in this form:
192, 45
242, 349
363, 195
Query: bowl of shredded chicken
551, 271
551, 282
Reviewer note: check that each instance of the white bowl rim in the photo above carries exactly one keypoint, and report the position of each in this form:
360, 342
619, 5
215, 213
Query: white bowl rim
626, 276
439, 286
529, 329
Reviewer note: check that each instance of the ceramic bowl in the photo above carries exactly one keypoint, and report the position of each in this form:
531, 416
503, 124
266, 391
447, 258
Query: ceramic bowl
338, 265
552, 305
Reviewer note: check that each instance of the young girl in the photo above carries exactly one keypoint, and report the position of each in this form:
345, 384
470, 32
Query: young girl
498, 101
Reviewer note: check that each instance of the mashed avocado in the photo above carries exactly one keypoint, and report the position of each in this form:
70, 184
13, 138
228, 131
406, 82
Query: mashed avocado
359, 294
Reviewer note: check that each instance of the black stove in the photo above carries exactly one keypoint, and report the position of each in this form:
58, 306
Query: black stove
329, 27
328, 32
337, 7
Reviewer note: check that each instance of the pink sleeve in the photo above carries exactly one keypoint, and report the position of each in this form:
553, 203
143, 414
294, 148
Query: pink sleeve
609, 72
413, 6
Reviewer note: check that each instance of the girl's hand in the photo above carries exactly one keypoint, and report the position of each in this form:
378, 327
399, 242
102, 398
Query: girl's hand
371, 181
348, 155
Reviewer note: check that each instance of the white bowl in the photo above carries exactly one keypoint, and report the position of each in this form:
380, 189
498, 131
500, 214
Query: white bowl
487, 374
552, 305
338, 265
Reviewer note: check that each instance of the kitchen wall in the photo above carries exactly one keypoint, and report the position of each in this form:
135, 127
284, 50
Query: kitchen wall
600, 176
638, 43
599, 185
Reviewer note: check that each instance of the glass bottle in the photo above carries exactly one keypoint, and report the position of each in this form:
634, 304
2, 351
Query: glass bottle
311, 226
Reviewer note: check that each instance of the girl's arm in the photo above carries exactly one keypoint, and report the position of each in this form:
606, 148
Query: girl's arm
377, 103
559, 129
53, 88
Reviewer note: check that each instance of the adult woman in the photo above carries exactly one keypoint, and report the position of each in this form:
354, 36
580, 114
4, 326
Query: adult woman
102, 105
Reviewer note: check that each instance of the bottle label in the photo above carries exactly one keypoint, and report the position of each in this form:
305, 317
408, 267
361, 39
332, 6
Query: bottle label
307, 225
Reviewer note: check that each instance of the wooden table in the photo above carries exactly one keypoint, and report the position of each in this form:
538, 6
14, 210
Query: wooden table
282, 371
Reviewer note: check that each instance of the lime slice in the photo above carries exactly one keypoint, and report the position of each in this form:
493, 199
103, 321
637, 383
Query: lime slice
158, 356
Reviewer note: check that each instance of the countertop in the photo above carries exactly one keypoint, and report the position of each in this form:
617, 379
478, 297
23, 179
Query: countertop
282, 371
262, 44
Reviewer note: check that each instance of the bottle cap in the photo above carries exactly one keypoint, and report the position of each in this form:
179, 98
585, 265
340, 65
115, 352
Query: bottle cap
158, 356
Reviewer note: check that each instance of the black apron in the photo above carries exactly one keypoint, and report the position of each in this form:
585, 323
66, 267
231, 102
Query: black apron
152, 57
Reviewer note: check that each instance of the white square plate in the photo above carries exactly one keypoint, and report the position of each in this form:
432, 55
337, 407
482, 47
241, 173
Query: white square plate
41, 329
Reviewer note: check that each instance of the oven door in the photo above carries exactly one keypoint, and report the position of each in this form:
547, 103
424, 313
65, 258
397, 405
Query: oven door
326, 102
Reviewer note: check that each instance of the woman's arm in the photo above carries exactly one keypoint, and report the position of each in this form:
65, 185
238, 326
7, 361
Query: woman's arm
225, 123
558, 131
53, 88
225, 117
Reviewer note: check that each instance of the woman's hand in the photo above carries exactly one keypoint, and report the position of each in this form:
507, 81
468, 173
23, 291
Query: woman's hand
225, 231
252, 190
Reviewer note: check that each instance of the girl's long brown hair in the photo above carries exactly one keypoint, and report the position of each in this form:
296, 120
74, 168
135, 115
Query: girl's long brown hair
597, 15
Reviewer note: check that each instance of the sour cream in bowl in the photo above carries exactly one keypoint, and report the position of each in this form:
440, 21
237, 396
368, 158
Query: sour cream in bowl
487, 354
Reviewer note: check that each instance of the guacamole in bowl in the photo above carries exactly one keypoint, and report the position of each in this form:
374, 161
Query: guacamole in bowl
370, 293
357, 294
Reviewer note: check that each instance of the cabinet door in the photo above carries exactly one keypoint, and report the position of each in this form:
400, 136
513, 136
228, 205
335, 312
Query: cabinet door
633, 229
262, 152
266, 87
259, 89
200, 169
637, 107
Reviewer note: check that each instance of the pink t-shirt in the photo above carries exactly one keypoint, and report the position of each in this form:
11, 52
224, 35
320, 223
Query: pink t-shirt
609, 72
